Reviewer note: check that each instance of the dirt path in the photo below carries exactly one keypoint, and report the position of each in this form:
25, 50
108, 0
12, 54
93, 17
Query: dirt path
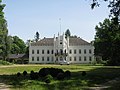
4, 87
104, 85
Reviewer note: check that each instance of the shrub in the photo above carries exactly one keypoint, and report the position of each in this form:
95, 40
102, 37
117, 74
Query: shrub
67, 74
24, 73
84, 73
44, 72
18, 74
60, 76
48, 79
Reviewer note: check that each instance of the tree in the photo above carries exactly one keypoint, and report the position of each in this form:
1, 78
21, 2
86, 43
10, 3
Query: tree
37, 36
4, 39
67, 33
107, 41
18, 45
114, 6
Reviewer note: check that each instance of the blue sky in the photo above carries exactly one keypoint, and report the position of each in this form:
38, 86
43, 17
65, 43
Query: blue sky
26, 17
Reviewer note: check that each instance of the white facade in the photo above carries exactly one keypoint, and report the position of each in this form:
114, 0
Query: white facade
58, 49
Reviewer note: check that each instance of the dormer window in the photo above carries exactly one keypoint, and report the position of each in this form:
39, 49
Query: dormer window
60, 42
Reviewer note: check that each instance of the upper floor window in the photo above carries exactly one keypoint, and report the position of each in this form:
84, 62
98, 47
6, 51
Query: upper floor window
37, 51
32, 51
84, 51
70, 51
79, 51
42, 51
75, 51
52, 52
90, 51
48, 51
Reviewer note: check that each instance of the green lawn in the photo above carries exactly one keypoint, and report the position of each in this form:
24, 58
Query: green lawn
95, 75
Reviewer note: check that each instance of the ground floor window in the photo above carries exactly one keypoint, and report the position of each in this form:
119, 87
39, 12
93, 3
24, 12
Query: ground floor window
90, 58
37, 58
70, 58
32, 58
85, 58
47, 58
79, 58
42, 58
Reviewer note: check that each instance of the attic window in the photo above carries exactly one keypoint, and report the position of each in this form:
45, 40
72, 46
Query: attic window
60, 42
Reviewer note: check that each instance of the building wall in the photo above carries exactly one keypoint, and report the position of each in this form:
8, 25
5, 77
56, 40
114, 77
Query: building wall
36, 53
86, 55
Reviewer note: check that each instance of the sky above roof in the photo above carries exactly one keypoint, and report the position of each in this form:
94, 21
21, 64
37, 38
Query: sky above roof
26, 17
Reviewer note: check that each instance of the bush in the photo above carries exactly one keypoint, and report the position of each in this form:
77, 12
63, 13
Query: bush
18, 74
67, 74
25, 73
44, 72
32, 75
48, 79
60, 76
84, 73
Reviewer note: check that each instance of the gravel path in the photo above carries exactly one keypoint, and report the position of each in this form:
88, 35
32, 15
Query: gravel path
4, 87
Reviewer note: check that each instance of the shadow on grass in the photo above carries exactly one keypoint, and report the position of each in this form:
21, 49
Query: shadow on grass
76, 82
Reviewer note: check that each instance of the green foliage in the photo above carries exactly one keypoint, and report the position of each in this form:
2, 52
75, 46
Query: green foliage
37, 36
67, 33
4, 63
4, 39
17, 45
96, 75
107, 41
114, 6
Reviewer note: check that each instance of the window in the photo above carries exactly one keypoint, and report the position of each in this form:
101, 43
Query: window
84, 51
75, 51
52, 52
60, 41
74, 58
32, 51
65, 50
85, 59
48, 51
61, 51
37, 51
37, 58
42, 58
56, 58
32, 58
52, 58
90, 51
42, 51
70, 58
70, 51
90, 58
61, 58
79, 58
47, 58
79, 51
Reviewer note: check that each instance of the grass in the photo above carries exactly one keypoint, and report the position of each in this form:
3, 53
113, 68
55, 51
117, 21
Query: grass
95, 75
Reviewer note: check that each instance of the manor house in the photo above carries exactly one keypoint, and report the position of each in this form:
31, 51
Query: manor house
61, 48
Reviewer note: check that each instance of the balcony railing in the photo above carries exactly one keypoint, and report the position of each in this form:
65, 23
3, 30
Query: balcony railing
61, 54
